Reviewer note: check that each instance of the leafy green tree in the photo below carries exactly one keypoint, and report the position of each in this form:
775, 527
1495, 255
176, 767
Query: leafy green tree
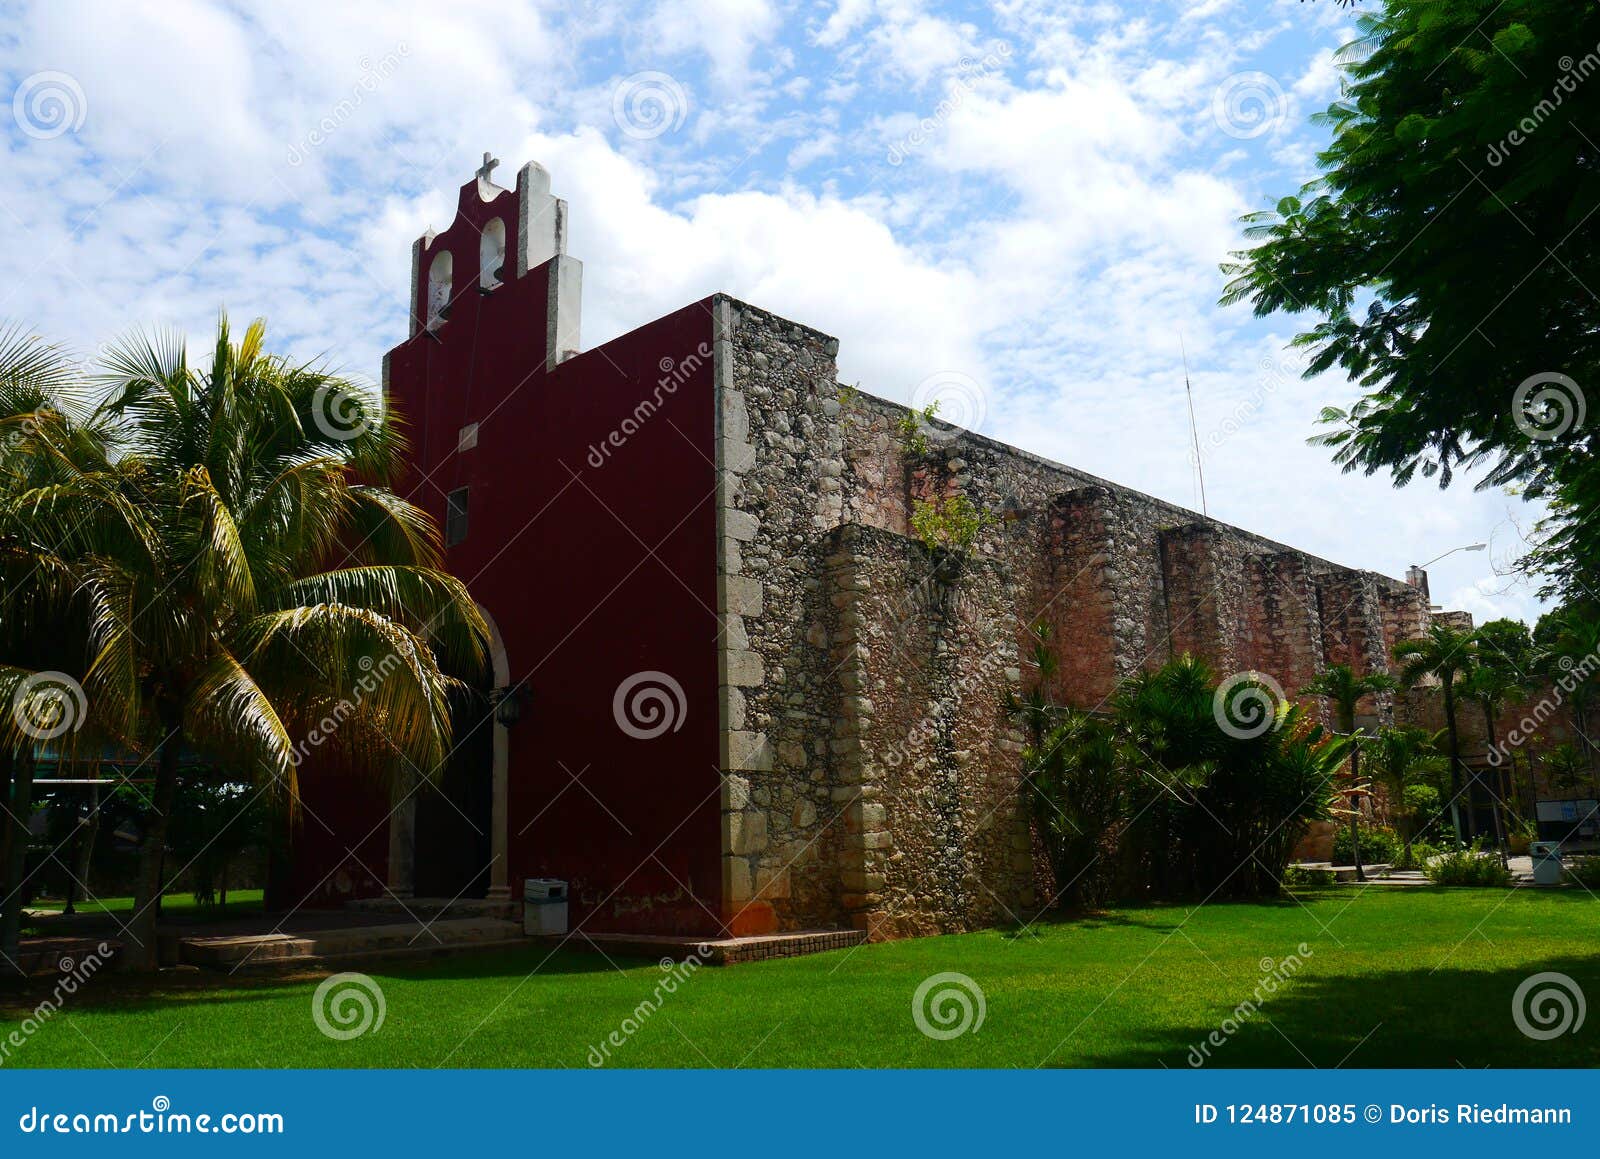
1344, 690
1399, 755
1567, 651
1443, 655
1445, 256
246, 570
1489, 686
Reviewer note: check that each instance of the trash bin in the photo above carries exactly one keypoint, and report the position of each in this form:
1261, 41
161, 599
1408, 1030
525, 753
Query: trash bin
544, 906
1546, 862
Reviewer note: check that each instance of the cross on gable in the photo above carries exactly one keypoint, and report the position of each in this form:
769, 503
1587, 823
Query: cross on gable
484, 170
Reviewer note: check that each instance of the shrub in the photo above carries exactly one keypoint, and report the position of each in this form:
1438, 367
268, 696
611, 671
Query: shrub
1584, 871
1159, 791
1300, 876
1520, 837
1468, 867
1377, 845
950, 524
1416, 857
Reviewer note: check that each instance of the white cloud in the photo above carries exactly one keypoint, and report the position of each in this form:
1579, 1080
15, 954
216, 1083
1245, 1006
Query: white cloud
1053, 230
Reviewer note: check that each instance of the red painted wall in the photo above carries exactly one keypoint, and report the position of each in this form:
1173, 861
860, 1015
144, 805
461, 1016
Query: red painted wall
592, 572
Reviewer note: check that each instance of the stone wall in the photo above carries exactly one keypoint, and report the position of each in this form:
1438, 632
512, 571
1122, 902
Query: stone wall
871, 777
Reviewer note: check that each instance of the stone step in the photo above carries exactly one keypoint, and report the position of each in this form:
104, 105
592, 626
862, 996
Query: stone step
231, 951
712, 951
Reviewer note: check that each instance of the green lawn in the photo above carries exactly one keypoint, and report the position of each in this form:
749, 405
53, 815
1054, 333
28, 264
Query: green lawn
1393, 978
179, 907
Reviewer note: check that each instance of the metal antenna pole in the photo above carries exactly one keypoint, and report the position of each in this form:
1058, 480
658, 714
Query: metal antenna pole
1194, 430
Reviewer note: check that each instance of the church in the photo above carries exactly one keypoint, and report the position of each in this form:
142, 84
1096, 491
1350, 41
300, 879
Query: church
736, 687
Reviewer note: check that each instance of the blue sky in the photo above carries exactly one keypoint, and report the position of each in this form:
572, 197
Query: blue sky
1016, 208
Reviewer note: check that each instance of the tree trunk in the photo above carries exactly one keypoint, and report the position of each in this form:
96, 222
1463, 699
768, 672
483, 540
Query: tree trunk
1355, 810
143, 953
87, 832
1454, 747
20, 809
1494, 792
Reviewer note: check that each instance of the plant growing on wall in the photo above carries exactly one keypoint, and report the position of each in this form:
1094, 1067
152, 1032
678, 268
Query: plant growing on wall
948, 524
913, 428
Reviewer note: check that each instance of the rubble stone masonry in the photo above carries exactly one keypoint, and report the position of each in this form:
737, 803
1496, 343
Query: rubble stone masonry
871, 774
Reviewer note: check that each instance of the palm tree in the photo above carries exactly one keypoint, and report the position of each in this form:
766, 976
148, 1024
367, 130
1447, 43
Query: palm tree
245, 572
43, 429
1399, 753
1342, 688
1490, 685
1442, 654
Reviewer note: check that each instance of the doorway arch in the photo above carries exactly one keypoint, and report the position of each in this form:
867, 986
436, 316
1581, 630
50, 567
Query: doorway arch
467, 744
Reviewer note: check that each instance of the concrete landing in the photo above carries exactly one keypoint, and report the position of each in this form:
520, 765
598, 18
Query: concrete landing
713, 951
347, 945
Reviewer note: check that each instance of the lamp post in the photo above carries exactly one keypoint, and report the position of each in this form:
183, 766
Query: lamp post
1420, 571
1452, 551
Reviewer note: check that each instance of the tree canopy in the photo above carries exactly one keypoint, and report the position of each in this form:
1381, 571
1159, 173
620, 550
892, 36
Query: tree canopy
1447, 255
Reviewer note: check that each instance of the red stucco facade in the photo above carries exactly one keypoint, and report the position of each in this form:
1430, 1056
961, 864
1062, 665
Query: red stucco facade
592, 569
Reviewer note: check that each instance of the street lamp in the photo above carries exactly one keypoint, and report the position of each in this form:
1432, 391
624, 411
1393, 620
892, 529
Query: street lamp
1452, 551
